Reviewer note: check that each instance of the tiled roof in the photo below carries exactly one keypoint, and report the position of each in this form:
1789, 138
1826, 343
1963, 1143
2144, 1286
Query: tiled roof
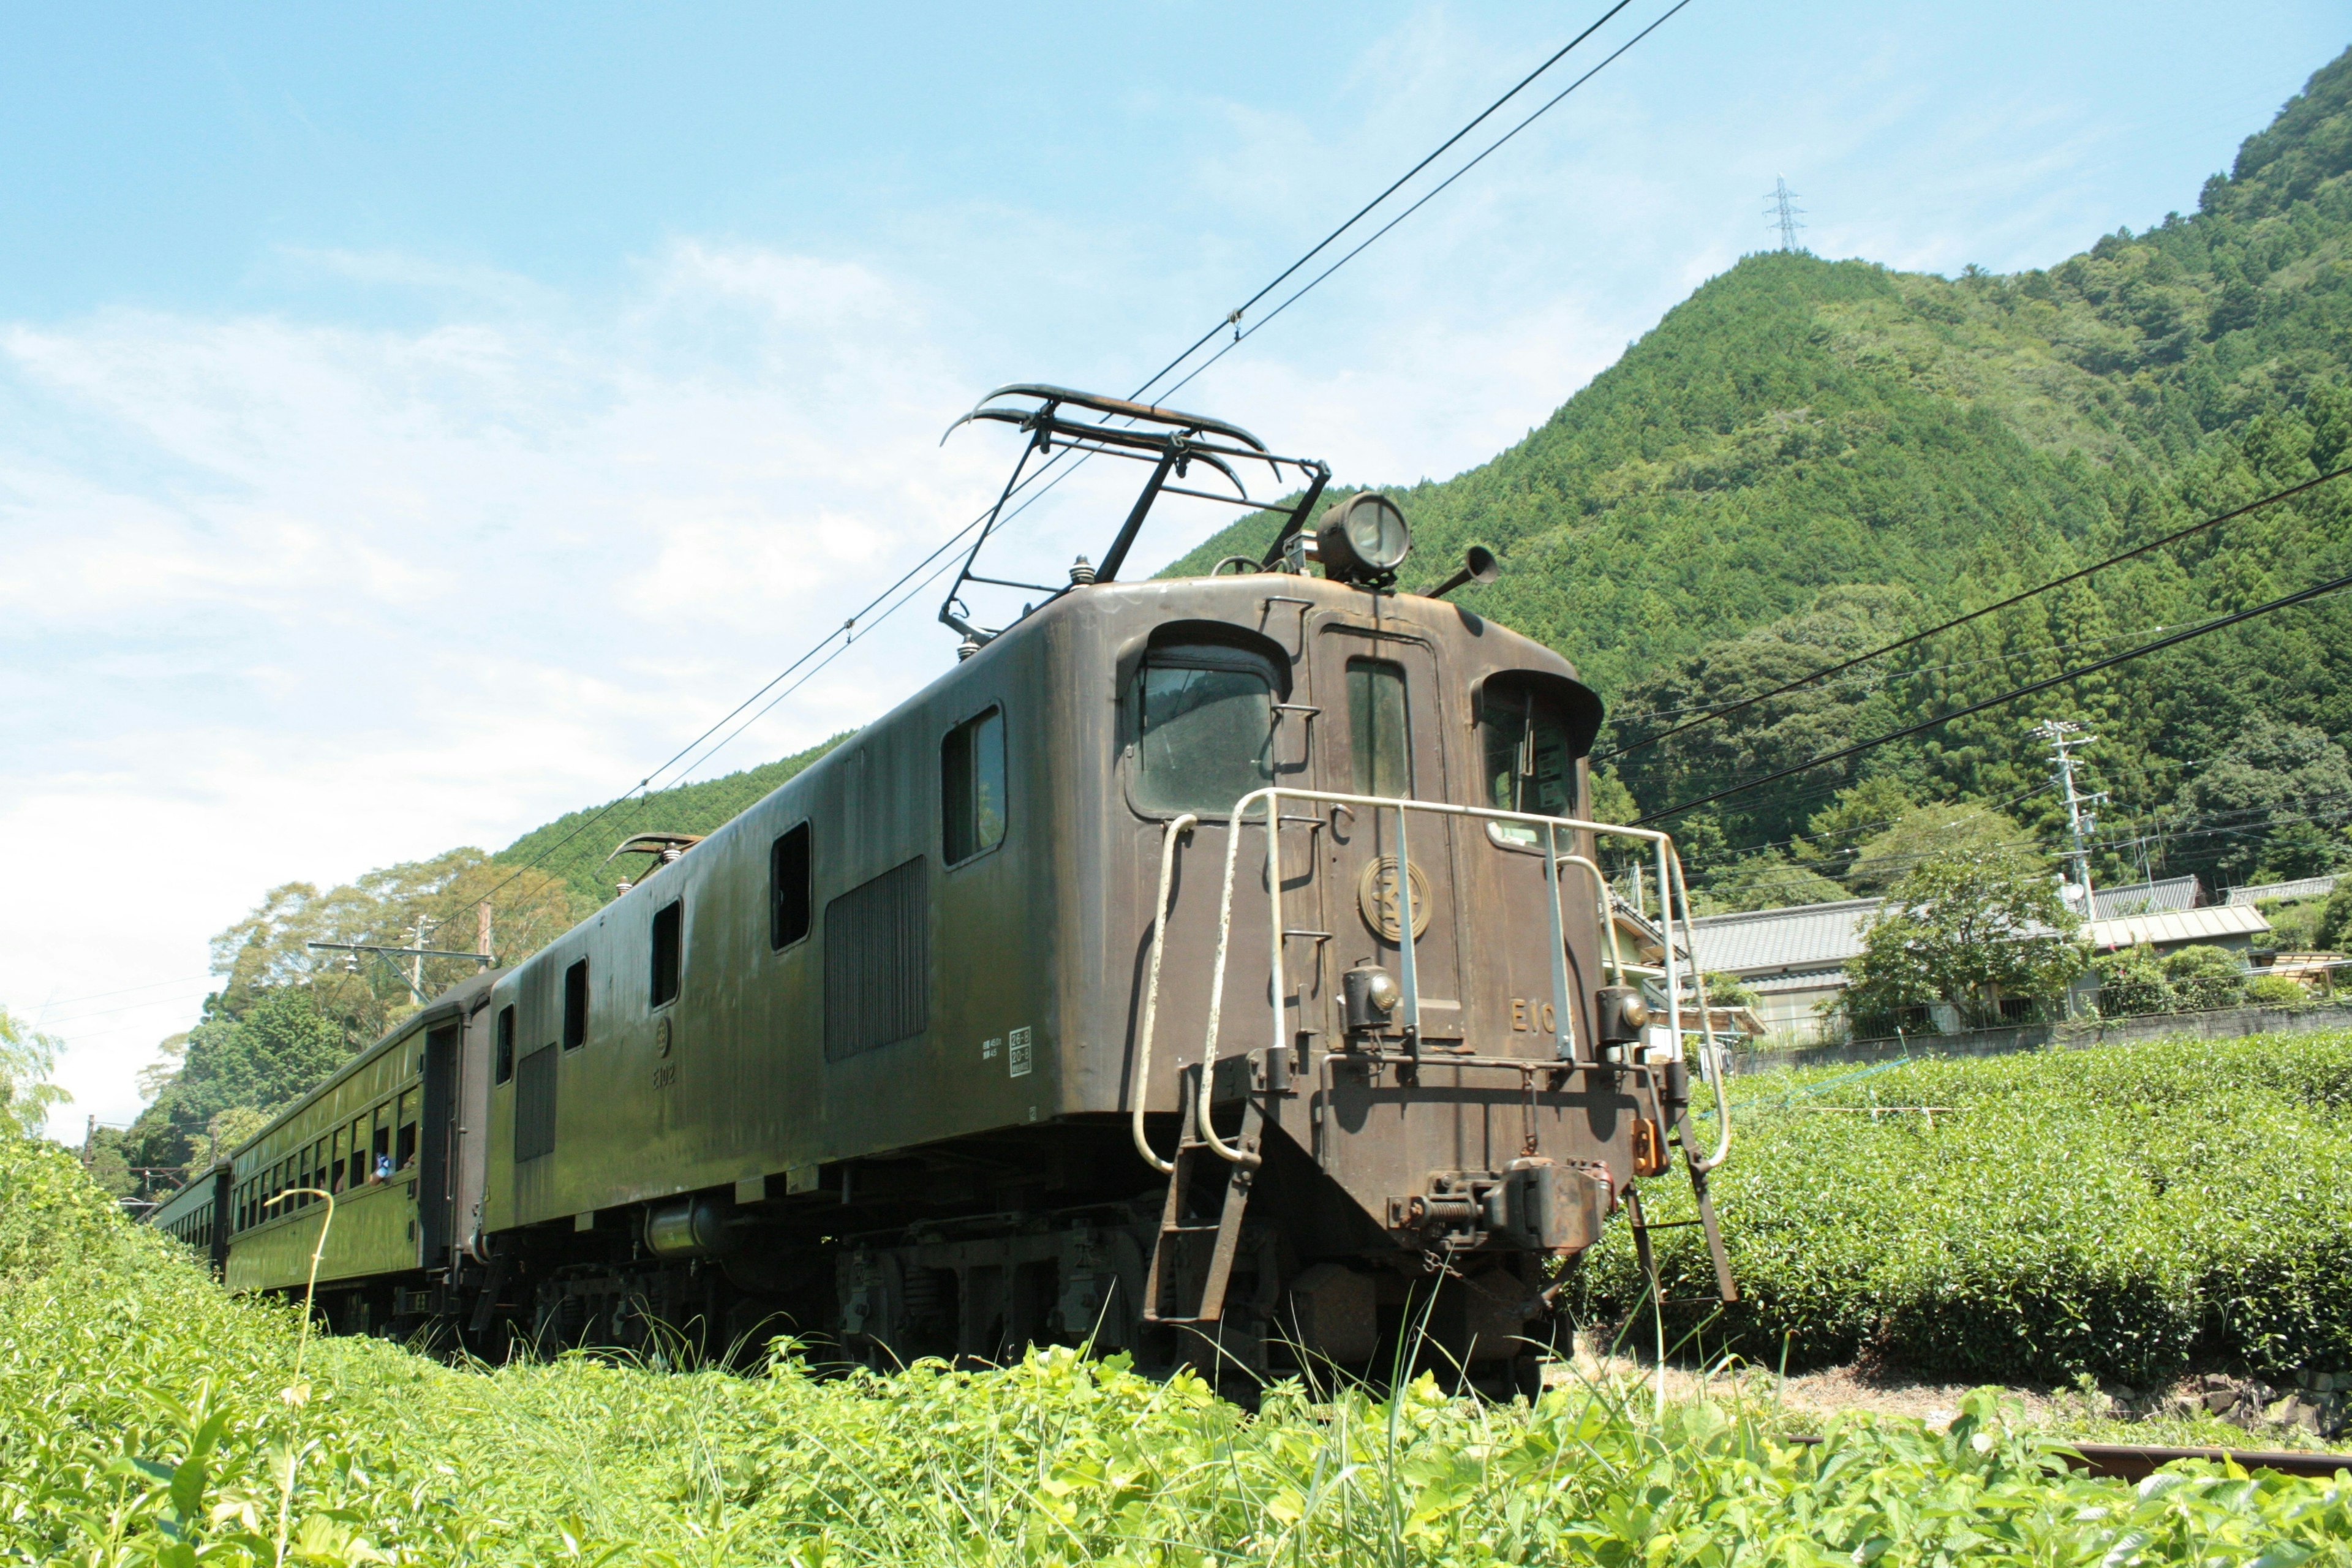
2177, 925
1797, 980
2146, 897
1811, 936
2307, 888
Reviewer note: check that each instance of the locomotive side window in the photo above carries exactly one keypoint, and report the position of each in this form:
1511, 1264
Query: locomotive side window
971, 786
669, 926
1204, 729
1380, 745
575, 1006
502, 1064
1528, 767
790, 867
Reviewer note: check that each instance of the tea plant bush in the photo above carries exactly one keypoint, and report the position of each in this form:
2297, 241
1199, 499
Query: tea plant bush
148, 1418
2124, 1211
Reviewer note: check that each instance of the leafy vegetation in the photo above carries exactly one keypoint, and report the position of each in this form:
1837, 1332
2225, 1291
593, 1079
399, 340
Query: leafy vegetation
2123, 1210
148, 1418
1967, 929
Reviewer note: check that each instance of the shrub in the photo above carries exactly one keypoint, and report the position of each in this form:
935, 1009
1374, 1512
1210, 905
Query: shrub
2126, 1211
2276, 991
2132, 983
2205, 977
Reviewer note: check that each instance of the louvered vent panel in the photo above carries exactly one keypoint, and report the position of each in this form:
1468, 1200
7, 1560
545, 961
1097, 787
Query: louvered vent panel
877, 962
534, 1127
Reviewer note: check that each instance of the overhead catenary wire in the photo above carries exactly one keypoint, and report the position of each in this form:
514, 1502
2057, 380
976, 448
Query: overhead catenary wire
1234, 318
1241, 337
2018, 598
644, 784
2283, 601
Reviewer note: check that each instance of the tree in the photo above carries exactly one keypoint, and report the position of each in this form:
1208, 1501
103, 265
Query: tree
221, 1136
27, 1056
278, 1048
1968, 928
2204, 977
1926, 832
2132, 983
2263, 798
2335, 927
1764, 881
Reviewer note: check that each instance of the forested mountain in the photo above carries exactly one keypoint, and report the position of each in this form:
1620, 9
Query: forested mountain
1804, 459
1807, 457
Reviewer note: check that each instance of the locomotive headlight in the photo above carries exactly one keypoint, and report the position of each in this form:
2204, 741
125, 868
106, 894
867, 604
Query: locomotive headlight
1362, 538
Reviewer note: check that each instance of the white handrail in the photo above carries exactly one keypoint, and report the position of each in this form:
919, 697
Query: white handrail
1152, 990
1707, 1028
1272, 796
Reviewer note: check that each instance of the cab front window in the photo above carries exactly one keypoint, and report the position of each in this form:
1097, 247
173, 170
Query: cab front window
1204, 729
1529, 766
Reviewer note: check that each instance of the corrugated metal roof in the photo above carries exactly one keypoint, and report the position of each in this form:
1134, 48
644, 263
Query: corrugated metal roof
2177, 925
2146, 897
1810, 936
2306, 887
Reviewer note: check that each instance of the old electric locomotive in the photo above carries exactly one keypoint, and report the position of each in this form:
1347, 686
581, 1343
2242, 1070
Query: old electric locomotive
1214, 968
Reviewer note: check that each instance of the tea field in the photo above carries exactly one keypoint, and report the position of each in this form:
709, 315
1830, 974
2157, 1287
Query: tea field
147, 1417
2123, 1212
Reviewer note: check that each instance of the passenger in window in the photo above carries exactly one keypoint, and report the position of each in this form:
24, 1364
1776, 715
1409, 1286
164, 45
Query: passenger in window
383, 1167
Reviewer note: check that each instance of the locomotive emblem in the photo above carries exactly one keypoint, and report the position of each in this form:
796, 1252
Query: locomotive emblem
1376, 899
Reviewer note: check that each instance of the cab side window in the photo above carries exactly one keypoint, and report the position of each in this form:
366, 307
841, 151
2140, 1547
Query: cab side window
791, 864
502, 1062
575, 1006
971, 786
1204, 729
668, 944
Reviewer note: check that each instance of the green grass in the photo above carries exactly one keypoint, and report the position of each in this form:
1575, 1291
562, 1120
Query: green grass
2125, 1212
147, 1417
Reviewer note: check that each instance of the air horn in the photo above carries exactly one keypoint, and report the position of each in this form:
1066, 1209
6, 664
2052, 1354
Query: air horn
1479, 565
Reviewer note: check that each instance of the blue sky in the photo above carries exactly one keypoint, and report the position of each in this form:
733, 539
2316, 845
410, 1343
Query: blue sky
417, 422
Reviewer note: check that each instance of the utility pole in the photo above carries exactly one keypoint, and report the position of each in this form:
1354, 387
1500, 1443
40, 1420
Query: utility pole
1783, 212
482, 927
416, 934
2063, 736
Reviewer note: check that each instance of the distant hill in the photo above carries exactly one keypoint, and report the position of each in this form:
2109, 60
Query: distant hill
1800, 424
575, 849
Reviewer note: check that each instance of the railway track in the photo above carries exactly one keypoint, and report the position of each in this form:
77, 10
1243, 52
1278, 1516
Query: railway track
2135, 1461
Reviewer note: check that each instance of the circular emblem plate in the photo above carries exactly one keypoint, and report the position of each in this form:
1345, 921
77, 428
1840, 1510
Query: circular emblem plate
1376, 899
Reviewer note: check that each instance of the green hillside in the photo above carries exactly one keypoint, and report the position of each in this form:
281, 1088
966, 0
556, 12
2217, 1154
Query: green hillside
575, 849
1798, 425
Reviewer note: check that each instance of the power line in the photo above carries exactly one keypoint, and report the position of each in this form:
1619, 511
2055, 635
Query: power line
2018, 598
2283, 601
1234, 318
1309, 286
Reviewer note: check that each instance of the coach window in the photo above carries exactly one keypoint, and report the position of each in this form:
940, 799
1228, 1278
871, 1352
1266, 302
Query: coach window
502, 1058
790, 865
380, 1145
1204, 729
1527, 764
359, 1156
1380, 747
405, 1155
335, 1162
971, 786
669, 932
575, 1006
